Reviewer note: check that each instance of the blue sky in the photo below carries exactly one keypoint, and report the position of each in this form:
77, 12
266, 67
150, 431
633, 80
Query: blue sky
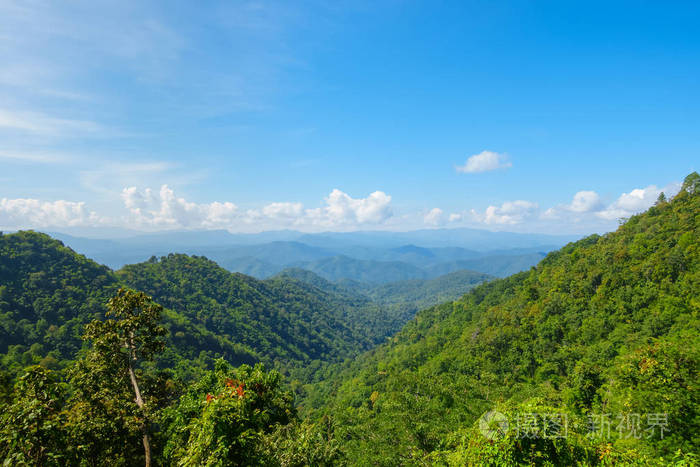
340, 115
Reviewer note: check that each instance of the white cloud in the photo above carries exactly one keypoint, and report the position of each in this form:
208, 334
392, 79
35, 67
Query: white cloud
510, 212
342, 209
585, 201
283, 210
484, 162
25, 212
636, 201
156, 209
163, 209
435, 217
586, 206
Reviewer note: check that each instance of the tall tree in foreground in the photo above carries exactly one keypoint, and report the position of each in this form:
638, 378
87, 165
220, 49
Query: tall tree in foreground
110, 401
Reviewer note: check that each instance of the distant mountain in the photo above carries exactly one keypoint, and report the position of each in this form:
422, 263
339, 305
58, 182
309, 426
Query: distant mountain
278, 253
373, 272
247, 265
411, 295
374, 257
481, 240
419, 247
498, 265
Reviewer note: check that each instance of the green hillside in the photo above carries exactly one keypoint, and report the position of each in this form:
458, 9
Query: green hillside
608, 324
48, 293
390, 305
283, 319
423, 293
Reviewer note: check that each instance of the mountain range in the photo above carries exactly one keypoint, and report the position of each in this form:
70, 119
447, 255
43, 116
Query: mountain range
372, 257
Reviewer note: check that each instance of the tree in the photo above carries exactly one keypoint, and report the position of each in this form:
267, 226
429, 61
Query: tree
225, 418
691, 184
131, 335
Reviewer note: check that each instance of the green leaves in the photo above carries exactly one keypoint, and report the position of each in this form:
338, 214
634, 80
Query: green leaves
31, 427
132, 326
224, 418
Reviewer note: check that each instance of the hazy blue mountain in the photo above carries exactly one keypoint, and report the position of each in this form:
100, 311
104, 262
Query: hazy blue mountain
247, 265
373, 272
281, 253
497, 265
374, 257
481, 240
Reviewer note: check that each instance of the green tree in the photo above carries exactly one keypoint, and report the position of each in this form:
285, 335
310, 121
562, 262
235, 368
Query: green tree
110, 397
224, 419
691, 184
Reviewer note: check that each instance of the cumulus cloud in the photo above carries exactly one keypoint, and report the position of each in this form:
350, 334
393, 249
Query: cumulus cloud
283, 210
163, 209
25, 212
484, 162
588, 205
583, 202
636, 201
342, 209
510, 212
434, 217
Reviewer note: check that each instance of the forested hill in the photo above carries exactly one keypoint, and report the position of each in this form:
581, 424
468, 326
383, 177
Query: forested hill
606, 325
48, 292
411, 294
283, 319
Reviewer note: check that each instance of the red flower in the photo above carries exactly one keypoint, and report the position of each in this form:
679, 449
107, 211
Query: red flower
240, 391
210, 397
